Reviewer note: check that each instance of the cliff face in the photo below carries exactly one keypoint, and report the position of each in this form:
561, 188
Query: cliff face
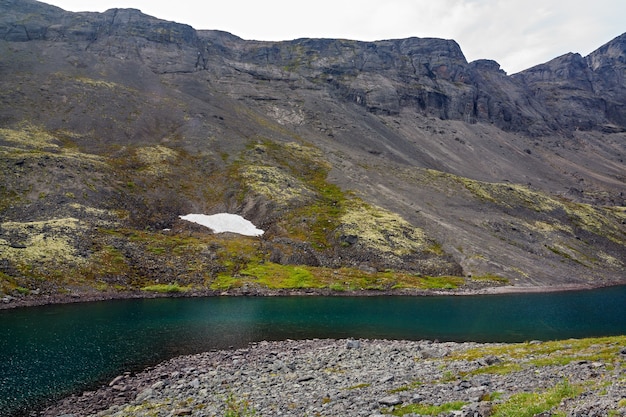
391, 155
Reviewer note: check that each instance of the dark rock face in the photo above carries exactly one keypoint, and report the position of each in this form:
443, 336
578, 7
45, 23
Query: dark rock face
143, 119
431, 75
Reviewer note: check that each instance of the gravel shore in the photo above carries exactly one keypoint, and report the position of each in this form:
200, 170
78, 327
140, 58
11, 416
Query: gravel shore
370, 378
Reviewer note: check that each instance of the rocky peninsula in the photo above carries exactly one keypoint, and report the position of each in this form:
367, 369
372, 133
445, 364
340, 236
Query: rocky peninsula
372, 378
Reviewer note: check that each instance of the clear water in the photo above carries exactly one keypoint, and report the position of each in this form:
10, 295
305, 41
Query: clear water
50, 351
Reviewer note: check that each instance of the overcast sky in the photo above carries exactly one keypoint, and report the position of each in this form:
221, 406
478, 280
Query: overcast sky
516, 33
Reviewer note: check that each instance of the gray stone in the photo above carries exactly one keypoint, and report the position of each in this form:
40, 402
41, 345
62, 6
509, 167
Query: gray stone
390, 400
387, 378
116, 380
158, 385
144, 395
353, 344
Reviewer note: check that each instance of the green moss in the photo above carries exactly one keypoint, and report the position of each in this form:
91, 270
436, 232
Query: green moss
224, 282
30, 137
358, 386
381, 230
551, 352
165, 288
275, 276
498, 369
408, 387
49, 240
490, 277
157, 160
276, 185
530, 404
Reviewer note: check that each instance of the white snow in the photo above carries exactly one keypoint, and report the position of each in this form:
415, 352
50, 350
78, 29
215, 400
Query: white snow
225, 222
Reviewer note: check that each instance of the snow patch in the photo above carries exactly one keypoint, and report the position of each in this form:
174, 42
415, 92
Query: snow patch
225, 222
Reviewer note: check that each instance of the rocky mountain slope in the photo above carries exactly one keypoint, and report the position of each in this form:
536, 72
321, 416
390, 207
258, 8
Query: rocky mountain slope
378, 165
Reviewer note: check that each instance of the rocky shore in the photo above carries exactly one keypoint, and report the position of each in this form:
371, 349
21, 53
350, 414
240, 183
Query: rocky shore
584, 377
88, 294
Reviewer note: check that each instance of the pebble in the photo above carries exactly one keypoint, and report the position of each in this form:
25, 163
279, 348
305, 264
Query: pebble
339, 377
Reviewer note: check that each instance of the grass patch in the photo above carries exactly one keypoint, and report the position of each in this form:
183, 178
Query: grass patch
408, 387
275, 276
165, 288
358, 386
427, 409
225, 282
551, 352
527, 404
490, 278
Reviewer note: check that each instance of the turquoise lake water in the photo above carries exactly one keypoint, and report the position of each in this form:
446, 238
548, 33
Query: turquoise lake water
50, 351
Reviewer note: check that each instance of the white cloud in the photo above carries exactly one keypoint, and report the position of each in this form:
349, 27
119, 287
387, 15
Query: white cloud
516, 33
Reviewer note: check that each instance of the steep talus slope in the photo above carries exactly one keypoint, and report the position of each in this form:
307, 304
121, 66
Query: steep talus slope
369, 164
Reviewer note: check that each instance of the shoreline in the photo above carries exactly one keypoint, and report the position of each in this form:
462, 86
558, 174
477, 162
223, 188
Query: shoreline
364, 377
91, 295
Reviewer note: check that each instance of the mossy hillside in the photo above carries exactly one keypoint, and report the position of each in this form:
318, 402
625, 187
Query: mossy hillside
381, 230
596, 220
326, 213
551, 213
294, 174
558, 229
137, 258
156, 159
41, 254
277, 185
275, 276
33, 242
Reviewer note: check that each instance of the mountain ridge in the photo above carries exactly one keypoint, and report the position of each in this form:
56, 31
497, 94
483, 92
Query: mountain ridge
118, 122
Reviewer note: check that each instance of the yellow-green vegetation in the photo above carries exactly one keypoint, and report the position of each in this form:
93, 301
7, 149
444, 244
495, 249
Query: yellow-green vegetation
236, 407
527, 404
558, 215
297, 169
276, 185
358, 386
552, 352
27, 140
412, 385
166, 288
30, 137
276, 276
517, 357
427, 409
49, 241
97, 83
157, 159
491, 278
382, 230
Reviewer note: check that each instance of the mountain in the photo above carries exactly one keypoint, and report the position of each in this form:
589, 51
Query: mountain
379, 165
